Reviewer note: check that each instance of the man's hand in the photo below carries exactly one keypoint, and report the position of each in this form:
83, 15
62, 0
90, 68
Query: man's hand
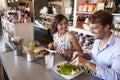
75, 54
79, 61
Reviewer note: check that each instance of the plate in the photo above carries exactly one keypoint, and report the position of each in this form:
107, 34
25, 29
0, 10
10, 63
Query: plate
56, 69
48, 50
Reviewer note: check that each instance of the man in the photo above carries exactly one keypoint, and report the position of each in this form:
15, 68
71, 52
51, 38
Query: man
105, 55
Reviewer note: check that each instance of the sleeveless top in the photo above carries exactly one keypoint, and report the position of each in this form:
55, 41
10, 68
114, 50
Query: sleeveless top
62, 42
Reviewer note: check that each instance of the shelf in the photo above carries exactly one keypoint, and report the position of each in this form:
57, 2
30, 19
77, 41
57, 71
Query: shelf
9, 44
47, 19
5, 30
37, 24
115, 14
80, 30
10, 35
84, 13
23, 30
56, 2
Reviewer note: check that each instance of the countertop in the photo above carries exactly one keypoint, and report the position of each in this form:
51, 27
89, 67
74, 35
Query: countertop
18, 68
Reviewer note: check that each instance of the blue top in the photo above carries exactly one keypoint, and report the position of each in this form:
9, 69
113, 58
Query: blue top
107, 59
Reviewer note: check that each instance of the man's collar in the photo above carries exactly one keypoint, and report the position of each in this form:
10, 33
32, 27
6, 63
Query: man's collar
111, 40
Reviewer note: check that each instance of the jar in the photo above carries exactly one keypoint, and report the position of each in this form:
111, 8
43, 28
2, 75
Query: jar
80, 9
85, 7
116, 25
119, 33
116, 32
119, 25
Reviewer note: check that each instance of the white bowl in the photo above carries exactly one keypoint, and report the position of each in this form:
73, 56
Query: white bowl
68, 77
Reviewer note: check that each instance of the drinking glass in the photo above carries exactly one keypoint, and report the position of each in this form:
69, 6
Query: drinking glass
49, 61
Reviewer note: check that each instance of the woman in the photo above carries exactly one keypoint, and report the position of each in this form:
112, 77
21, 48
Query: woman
64, 41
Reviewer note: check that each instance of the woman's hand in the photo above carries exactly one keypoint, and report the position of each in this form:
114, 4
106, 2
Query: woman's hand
50, 46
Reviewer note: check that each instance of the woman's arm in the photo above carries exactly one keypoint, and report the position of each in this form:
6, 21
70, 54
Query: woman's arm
75, 42
51, 45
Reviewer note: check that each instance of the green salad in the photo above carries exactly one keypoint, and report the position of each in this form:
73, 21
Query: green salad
68, 69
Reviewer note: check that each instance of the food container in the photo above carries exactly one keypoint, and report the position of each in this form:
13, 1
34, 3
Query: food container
30, 54
30, 57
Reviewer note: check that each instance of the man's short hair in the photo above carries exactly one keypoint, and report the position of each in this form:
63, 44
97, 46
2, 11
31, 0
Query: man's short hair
101, 17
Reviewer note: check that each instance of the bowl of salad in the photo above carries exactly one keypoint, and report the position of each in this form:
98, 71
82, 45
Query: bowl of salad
67, 70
